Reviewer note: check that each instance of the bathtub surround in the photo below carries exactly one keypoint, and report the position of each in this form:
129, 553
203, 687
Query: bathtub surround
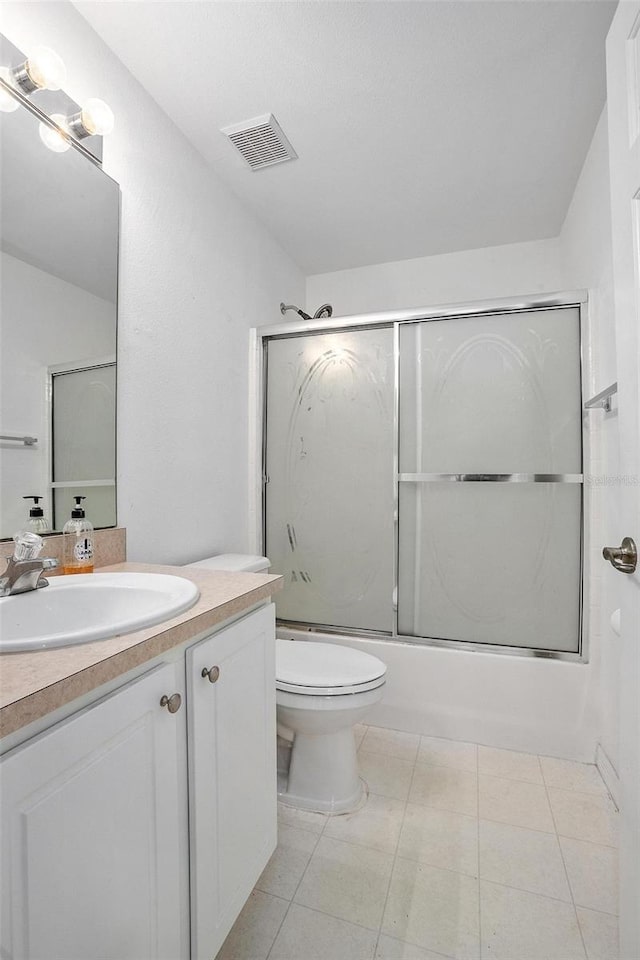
196, 272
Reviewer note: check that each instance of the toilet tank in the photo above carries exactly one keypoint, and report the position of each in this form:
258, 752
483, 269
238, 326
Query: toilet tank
236, 562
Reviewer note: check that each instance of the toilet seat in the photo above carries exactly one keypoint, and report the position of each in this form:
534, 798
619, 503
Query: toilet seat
325, 669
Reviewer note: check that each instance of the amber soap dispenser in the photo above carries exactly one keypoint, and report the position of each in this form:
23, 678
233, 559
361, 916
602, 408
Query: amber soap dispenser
77, 544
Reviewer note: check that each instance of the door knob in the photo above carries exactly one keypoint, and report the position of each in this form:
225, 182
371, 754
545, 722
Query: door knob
210, 675
624, 558
172, 703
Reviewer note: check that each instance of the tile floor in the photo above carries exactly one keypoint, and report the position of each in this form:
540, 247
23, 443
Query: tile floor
461, 851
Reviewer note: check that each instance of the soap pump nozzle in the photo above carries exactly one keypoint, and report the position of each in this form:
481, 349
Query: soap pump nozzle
35, 510
78, 513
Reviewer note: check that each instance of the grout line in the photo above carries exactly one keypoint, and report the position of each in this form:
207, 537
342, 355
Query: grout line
395, 856
566, 872
286, 913
478, 863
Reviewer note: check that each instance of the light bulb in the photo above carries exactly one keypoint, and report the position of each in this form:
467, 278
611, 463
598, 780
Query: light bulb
45, 69
7, 103
54, 139
97, 117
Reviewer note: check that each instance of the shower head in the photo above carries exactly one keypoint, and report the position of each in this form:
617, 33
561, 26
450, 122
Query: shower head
326, 310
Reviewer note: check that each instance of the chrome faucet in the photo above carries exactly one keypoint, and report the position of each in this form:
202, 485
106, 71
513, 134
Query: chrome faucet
25, 568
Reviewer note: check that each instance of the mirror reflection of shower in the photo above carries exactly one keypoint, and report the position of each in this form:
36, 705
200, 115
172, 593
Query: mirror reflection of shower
326, 310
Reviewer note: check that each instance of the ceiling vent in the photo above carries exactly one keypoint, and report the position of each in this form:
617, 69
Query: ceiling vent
260, 141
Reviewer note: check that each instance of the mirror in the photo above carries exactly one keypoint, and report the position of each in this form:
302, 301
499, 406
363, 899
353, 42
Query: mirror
58, 315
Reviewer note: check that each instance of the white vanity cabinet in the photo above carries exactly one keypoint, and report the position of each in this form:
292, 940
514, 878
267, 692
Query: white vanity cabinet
94, 828
232, 772
130, 832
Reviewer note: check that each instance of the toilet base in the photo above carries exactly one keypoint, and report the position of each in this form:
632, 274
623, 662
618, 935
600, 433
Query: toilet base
313, 805
323, 773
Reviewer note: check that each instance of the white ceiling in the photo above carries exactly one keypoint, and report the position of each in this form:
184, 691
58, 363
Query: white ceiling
421, 127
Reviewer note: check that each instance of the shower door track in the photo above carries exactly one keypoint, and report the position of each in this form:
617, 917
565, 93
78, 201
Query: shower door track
395, 319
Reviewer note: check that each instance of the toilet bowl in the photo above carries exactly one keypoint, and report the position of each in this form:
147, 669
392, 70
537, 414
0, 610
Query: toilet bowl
322, 691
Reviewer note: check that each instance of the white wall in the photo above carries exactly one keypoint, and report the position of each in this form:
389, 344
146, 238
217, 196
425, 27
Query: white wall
196, 272
585, 250
45, 321
511, 270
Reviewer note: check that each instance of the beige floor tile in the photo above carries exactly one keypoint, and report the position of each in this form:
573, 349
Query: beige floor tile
376, 825
308, 935
584, 816
255, 929
393, 743
593, 874
527, 859
386, 776
302, 819
440, 838
433, 908
512, 801
569, 775
346, 881
391, 949
284, 871
445, 789
510, 764
358, 733
448, 753
600, 934
525, 926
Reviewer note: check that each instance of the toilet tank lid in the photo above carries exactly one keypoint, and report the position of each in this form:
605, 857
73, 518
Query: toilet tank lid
310, 664
234, 561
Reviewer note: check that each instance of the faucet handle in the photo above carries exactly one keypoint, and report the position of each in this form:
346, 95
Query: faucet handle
27, 545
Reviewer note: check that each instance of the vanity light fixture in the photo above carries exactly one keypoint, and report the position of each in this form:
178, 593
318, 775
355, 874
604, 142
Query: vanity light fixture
95, 118
42, 70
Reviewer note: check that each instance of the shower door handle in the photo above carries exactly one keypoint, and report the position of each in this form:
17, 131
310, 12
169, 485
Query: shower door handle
624, 558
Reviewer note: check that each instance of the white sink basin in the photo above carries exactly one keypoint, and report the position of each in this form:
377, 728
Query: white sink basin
85, 607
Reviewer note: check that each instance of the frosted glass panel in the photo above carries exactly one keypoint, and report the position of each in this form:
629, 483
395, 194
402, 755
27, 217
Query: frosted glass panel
329, 499
494, 563
84, 443
491, 562
84, 424
491, 394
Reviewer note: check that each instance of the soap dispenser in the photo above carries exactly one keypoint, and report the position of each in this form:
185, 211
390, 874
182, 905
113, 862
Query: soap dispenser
37, 521
77, 540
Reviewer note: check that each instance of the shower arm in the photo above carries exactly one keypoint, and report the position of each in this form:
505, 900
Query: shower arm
326, 310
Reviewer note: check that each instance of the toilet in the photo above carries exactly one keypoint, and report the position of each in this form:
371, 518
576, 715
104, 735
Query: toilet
322, 691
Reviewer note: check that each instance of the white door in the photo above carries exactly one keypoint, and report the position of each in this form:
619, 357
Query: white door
623, 94
94, 833
232, 772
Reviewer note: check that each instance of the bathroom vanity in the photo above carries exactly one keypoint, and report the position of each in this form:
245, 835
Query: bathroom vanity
138, 781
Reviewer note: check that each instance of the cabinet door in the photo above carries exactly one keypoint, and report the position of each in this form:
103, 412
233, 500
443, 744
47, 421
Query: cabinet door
232, 772
94, 832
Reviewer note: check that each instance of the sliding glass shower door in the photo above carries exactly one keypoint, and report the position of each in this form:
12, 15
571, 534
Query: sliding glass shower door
424, 478
489, 482
329, 481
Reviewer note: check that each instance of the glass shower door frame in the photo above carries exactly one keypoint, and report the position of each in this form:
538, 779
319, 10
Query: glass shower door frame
396, 319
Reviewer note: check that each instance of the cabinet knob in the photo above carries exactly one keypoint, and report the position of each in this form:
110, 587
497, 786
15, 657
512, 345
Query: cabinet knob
210, 675
172, 703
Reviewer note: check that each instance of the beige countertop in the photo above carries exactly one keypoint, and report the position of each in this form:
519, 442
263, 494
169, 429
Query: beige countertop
33, 684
